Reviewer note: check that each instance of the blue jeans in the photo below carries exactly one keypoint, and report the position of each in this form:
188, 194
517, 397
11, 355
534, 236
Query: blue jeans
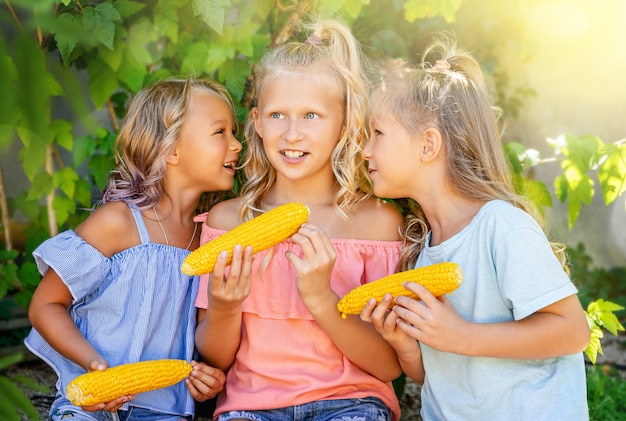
364, 409
64, 410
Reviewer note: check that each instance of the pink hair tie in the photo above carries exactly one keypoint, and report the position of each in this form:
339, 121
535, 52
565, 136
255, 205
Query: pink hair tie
314, 40
441, 65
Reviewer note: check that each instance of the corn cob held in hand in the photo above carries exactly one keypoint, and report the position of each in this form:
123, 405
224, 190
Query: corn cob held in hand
262, 232
98, 387
439, 279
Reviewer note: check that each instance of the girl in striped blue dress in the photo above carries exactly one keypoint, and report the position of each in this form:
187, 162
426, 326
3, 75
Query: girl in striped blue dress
112, 291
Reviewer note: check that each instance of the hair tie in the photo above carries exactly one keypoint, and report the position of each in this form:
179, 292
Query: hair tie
441, 65
314, 40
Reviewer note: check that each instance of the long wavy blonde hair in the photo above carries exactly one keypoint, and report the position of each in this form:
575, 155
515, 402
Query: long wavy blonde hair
447, 90
148, 135
331, 48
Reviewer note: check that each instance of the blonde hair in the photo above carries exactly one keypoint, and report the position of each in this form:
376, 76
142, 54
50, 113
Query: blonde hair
148, 135
332, 49
448, 91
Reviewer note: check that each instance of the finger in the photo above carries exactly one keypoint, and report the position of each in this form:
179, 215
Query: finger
217, 276
319, 239
367, 314
423, 294
232, 281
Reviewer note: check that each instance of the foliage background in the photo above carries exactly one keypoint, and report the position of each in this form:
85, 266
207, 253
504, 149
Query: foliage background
68, 68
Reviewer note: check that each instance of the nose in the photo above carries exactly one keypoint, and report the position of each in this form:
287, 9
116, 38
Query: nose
366, 152
235, 145
292, 131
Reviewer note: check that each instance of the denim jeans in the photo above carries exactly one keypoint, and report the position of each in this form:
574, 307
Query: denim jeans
364, 409
64, 410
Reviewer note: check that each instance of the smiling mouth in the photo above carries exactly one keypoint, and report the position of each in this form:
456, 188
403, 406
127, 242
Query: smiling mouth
292, 154
230, 165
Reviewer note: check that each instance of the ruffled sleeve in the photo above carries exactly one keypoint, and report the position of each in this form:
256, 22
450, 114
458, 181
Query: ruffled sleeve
79, 265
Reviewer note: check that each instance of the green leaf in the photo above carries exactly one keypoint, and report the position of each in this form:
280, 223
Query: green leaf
100, 21
61, 131
166, 20
420, 9
82, 193
195, 57
127, 8
353, 7
140, 34
33, 98
67, 34
113, 58
102, 81
612, 172
29, 274
33, 155
63, 207
84, 147
18, 398
212, 12
233, 75
100, 166
65, 179
8, 97
132, 71
41, 186
595, 345
9, 360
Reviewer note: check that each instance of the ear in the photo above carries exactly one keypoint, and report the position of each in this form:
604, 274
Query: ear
432, 144
173, 158
257, 125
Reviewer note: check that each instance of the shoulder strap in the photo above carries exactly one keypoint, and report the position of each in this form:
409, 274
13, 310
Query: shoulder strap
141, 225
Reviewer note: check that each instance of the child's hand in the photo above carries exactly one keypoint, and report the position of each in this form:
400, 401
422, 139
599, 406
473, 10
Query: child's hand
432, 321
385, 322
313, 270
227, 292
205, 381
100, 364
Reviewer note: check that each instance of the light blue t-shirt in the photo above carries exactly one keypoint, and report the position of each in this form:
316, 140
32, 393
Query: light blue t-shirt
510, 272
134, 306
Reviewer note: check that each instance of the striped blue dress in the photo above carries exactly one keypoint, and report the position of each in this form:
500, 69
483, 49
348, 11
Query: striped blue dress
133, 306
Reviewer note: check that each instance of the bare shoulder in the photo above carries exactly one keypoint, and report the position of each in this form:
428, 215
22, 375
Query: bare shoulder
376, 219
224, 215
111, 228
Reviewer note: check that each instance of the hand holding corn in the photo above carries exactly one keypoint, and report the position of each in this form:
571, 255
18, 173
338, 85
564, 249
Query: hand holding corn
106, 385
439, 279
262, 232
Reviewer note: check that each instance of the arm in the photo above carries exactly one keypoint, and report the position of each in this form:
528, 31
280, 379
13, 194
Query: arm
220, 323
48, 310
558, 329
356, 339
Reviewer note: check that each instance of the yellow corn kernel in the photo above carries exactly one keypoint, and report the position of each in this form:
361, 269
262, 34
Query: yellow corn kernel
439, 279
262, 232
97, 387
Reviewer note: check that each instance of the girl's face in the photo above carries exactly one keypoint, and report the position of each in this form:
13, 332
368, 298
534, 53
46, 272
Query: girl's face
300, 118
207, 150
393, 159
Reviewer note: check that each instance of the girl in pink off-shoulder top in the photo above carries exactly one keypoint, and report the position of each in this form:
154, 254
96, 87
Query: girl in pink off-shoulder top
271, 321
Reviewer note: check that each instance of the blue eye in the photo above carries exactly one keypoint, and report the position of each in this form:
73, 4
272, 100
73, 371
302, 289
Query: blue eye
275, 115
310, 116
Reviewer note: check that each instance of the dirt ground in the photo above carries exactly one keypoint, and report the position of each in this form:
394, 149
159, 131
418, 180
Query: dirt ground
614, 354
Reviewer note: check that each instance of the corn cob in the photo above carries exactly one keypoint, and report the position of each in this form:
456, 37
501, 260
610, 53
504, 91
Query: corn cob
106, 385
439, 279
262, 232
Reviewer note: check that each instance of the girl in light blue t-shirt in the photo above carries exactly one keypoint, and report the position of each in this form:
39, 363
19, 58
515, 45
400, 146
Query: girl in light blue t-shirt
507, 345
